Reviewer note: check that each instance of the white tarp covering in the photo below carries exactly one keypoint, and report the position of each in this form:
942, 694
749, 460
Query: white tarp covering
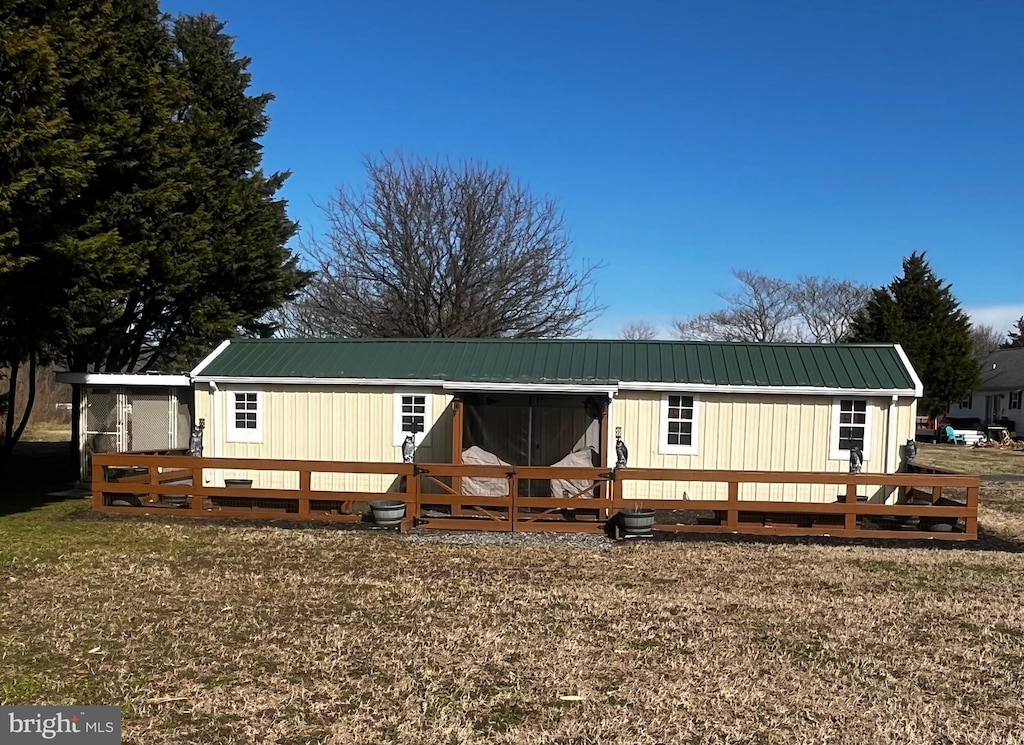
480, 487
574, 488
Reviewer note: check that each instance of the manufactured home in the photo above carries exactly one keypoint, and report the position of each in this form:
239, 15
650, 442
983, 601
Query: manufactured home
674, 405
999, 398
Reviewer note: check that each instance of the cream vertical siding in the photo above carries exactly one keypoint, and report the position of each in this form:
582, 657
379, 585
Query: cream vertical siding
753, 433
331, 423
906, 426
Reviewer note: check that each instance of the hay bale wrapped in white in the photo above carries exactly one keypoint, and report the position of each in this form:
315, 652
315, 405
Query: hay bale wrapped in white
483, 487
574, 487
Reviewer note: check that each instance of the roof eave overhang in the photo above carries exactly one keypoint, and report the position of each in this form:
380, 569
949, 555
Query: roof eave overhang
454, 386
918, 385
300, 380
210, 358
785, 390
1001, 388
553, 387
538, 387
124, 379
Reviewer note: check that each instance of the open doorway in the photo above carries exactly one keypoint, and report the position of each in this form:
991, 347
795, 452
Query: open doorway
536, 430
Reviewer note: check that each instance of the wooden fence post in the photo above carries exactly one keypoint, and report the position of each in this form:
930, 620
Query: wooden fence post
513, 497
99, 476
412, 500
732, 515
458, 425
198, 499
153, 483
305, 490
971, 523
850, 521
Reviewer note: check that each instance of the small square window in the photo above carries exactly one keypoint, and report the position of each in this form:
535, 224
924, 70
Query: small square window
412, 416
851, 427
678, 430
246, 419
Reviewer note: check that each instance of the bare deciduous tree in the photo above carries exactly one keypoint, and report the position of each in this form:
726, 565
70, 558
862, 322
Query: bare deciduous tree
824, 306
769, 309
761, 310
638, 331
984, 341
440, 250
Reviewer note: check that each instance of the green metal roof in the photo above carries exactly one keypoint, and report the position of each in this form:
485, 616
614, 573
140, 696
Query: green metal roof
565, 361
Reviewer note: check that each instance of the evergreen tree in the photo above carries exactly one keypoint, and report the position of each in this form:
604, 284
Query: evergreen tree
1015, 337
919, 312
217, 260
75, 144
137, 227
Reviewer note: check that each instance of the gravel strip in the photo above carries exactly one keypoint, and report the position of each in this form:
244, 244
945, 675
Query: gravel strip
485, 538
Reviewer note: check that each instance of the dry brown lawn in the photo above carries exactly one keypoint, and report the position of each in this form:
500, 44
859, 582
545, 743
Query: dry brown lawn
261, 634
972, 459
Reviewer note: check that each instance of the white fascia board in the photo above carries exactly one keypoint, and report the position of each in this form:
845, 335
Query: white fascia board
918, 385
125, 379
407, 383
532, 388
210, 357
243, 380
789, 390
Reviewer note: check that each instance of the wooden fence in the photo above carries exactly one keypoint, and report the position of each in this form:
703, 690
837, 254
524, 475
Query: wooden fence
472, 497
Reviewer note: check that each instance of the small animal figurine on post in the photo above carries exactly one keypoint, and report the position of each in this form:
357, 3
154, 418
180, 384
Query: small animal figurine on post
910, 451
195, 440
409, 448
856, 460
621, 451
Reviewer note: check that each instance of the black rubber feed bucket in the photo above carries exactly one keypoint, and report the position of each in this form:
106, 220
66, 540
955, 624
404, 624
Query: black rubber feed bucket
388, 513
636, 523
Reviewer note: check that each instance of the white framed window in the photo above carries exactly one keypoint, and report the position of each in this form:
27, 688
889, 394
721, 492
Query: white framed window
412, 416
967, 403
679, 420
245, 416
851, 427
1015, 397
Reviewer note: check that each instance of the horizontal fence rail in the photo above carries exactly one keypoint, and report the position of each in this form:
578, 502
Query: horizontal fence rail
533, 498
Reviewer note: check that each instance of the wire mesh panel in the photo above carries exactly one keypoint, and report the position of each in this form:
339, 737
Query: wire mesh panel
149, 421
135, 418
102, 425
157, 418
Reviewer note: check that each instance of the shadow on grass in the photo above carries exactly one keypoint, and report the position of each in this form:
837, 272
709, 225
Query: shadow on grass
987, 541
32, 472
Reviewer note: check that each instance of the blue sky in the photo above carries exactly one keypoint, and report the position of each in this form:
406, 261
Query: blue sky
682, 139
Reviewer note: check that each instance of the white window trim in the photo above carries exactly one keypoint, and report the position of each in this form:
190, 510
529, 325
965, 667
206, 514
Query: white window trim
663, 445
1015, 400
234, 434
422, 438
833, 446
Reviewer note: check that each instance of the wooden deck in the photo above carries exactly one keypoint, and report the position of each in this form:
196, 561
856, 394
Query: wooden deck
928, 505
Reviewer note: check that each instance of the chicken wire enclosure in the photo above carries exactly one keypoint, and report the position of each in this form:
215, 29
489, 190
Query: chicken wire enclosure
102, 430
133, 418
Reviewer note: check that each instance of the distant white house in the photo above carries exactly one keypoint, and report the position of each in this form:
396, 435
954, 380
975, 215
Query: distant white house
998, 397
